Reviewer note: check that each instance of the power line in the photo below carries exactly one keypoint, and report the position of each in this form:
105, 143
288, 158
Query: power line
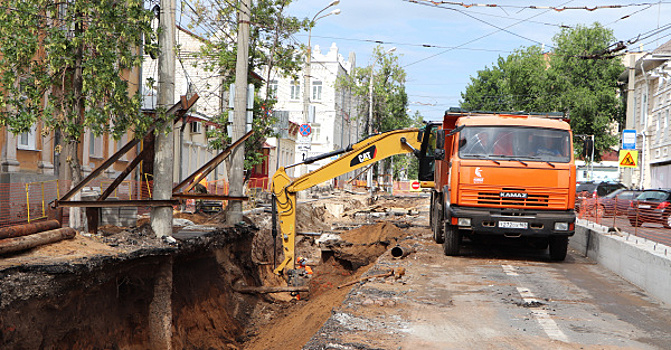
534, 7
382, 42
478, 38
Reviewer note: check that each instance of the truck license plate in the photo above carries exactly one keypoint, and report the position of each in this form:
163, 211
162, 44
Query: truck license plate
644, 206
513, 224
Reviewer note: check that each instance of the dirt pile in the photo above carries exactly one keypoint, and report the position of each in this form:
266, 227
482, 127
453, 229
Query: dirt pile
362, 246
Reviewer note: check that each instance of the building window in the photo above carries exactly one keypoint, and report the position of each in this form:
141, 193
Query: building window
27, 140
316, 132
196, 127
295, 90
634, 114
644, 111
272, 89
316, 90
96, 146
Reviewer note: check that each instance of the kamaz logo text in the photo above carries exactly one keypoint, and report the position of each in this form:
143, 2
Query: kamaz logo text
513, 195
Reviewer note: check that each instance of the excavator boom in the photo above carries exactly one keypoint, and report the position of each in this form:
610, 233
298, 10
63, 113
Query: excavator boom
364, 153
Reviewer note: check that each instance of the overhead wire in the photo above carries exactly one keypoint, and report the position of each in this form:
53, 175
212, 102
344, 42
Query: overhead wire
480, 37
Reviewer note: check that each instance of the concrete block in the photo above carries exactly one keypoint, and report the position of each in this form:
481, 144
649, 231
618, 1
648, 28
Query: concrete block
642, 262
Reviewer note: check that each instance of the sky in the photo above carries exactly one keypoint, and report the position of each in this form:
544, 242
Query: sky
462, 40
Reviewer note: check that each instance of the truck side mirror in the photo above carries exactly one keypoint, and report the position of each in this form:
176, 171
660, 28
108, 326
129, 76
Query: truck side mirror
439, 152
587, 147
440, 139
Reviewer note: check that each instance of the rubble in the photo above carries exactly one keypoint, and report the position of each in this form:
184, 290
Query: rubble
111, 274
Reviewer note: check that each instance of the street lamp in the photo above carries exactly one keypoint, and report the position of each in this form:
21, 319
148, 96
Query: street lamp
369, 180
306, 77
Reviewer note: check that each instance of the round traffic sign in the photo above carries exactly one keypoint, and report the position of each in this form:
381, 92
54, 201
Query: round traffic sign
415, 185
305, 130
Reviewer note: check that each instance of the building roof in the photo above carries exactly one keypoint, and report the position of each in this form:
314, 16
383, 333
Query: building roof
664, 49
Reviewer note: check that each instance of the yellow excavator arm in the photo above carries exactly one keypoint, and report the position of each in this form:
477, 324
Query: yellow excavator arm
364, 153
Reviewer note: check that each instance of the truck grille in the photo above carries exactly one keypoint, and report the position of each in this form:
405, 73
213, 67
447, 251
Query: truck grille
540, 198
493, 198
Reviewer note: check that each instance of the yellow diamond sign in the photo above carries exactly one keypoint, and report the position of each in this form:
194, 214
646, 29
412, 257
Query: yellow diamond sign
628, 159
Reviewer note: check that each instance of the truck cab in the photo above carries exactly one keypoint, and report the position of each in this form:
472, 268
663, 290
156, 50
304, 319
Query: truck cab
507, 175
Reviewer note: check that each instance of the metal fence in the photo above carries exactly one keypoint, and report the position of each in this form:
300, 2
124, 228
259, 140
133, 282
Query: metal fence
629, 217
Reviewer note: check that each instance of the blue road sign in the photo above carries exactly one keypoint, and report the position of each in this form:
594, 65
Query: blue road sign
305, 130
628, 139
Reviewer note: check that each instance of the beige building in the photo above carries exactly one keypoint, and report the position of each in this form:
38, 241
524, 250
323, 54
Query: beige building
648, 90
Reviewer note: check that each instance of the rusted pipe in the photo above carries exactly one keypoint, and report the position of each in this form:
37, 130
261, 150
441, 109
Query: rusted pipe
400, 251
27, 229
15, 244
265, 290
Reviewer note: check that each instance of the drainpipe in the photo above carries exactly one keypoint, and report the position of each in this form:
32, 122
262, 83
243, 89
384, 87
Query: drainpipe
645, 122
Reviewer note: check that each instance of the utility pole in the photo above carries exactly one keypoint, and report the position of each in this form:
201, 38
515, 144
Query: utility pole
236, 173
161, 217
160, 308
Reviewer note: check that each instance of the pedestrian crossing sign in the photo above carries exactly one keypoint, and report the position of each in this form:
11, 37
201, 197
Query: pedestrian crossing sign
628, 159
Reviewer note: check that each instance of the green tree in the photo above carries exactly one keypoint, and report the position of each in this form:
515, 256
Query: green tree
573, 79
516, 83
271, 46
390, 101
584, 84
65, 64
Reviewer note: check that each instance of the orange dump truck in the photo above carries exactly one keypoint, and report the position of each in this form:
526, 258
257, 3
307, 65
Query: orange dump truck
501, 175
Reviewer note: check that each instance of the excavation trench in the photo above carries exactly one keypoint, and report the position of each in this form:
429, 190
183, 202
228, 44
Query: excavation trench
125, 289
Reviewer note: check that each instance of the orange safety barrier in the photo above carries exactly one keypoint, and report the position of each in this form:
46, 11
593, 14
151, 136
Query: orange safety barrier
628, 216
22, 203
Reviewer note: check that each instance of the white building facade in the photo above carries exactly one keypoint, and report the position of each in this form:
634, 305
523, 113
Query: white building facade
648, 112
333, 119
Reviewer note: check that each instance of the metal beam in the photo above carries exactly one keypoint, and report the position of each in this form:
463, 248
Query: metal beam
181, 106
201, 173
119, 203
208, 196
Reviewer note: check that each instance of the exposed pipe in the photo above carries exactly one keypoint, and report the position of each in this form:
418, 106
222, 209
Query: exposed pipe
27, 229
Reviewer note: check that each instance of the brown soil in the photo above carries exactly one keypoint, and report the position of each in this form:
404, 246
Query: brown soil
207, 313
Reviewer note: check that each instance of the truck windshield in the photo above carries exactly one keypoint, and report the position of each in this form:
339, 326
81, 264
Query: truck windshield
515, 143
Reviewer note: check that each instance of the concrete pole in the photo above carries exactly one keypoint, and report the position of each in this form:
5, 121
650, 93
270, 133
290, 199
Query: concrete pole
631, 109
161, 218
236, 173
369, 176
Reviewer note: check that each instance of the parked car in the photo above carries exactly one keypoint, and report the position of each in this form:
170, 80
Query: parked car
651, 206
594, 189
617, 202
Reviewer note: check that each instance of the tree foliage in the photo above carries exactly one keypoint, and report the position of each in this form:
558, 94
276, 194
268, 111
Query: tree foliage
66, 63
573, 79
270, 46
390, 101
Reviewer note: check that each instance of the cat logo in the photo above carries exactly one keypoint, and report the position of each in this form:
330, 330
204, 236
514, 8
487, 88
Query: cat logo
364, 156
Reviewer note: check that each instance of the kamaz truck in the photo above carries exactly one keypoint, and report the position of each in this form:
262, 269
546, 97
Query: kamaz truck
508, 175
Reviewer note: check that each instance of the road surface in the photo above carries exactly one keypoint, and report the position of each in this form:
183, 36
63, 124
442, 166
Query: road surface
494, 297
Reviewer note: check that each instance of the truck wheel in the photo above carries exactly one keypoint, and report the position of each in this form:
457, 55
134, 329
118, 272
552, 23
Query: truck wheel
558, 248
438, 223
452, 237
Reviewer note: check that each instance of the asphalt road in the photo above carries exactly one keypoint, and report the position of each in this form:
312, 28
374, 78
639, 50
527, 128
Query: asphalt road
494, 297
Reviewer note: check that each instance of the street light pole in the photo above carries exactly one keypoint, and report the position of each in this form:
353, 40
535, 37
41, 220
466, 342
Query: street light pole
306, 77
369, 177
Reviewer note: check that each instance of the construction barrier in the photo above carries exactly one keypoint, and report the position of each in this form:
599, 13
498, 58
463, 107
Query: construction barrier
626, 215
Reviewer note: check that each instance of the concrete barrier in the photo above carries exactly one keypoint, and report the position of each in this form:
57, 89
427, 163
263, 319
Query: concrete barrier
642, 262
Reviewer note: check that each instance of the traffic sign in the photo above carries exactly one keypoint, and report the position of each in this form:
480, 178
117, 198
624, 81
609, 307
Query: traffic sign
628, 159
415, 185
629, 139
305, 130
